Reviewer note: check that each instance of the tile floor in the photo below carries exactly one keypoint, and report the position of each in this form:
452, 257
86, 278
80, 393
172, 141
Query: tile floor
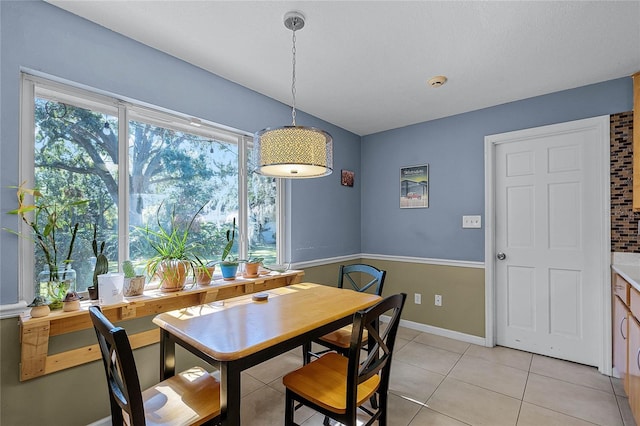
440, 381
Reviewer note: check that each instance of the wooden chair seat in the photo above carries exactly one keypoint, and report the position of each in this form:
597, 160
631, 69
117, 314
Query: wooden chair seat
338, 386
189, 398
324, 382
341, 337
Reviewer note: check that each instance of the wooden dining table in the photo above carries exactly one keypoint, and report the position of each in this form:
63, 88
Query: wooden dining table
242, 332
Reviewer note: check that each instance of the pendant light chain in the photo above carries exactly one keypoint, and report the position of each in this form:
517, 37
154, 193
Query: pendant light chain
293, 79
294, 152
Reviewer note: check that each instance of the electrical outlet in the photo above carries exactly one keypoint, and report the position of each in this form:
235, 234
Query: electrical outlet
472, 221
438, 300
417, 298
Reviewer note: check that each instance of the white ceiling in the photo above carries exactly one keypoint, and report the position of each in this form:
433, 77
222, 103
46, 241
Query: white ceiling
363, 65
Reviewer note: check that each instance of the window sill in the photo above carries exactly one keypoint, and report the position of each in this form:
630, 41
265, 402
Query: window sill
35, 332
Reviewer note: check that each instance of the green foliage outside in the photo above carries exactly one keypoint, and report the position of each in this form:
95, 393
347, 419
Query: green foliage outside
75, 158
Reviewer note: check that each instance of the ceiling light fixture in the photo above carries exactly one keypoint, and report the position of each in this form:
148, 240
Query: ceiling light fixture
293, 151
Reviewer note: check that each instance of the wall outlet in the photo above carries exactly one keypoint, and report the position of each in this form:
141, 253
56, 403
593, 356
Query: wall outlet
472, 221
417, 298
438, 300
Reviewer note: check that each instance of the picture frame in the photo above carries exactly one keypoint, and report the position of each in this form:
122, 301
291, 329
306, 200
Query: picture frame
347, 177
414, 187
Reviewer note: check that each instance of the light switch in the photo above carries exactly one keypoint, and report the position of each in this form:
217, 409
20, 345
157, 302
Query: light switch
472, 221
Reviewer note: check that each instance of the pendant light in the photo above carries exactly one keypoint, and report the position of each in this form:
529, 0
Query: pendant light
293, 151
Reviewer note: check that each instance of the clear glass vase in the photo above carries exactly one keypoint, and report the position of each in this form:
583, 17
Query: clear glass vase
55, 283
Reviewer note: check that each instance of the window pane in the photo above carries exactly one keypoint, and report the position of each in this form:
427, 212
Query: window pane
76, 159
262, 216
172, 169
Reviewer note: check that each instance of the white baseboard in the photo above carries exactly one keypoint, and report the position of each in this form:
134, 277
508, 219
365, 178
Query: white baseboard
456, 335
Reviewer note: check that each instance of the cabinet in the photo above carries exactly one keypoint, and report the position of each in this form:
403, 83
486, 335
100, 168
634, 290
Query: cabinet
626, 339
620, 332
633, 373
633, 353
621, 295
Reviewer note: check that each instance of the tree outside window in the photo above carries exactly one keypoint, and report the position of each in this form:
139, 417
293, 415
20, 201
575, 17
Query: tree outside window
76, 156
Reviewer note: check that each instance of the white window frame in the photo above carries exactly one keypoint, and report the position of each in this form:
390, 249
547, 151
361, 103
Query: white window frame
125, 109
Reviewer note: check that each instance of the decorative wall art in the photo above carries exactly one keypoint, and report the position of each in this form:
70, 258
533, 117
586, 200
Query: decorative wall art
346, 178
414, 187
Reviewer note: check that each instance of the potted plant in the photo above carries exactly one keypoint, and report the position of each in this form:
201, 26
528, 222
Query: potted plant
101, 267
251, 267
133, 283
49, 222
229, 263
204, 273
175, 255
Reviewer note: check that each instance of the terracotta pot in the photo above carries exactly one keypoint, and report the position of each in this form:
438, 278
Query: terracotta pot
204, 275
251, 270
173, 275
134, 286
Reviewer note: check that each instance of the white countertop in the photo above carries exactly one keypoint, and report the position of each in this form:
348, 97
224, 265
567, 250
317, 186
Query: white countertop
627, 265
631, 273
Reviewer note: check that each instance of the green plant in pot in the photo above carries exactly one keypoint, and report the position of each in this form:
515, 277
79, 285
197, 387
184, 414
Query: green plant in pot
229, 263
102, 265
133, 283
252, 266
51, 224
204, 272
175, 255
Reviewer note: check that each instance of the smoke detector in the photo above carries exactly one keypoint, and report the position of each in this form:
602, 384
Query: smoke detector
437, 81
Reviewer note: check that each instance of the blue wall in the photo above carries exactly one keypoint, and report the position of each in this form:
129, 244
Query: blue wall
38, 36
454, 149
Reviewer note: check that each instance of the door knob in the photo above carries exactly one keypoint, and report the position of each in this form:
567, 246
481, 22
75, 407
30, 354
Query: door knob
501, 256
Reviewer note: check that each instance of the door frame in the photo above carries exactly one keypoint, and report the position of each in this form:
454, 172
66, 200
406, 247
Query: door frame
602, 126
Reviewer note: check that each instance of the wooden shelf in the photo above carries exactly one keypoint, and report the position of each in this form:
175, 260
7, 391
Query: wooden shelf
35, 360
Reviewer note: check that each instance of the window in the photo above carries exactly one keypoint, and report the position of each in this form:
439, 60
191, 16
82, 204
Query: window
82, 144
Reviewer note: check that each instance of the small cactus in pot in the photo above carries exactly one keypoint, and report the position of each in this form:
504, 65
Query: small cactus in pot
133, 283
102, 265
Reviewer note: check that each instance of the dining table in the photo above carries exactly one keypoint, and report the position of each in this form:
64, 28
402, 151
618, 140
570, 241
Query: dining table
239, 333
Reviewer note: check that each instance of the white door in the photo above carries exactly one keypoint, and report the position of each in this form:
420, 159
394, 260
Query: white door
551, 239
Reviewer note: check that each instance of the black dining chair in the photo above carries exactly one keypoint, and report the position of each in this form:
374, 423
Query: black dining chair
189, 398
339, 386
351, 276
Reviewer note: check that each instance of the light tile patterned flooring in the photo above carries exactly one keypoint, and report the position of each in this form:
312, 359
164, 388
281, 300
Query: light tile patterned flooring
444, 382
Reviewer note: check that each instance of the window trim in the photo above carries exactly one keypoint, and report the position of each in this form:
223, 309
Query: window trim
126, 110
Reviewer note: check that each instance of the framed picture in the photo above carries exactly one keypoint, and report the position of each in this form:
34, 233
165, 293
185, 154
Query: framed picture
414, 187
346, 178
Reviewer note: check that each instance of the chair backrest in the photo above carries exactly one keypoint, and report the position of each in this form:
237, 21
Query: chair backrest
376, 277
120, 367
380, 345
